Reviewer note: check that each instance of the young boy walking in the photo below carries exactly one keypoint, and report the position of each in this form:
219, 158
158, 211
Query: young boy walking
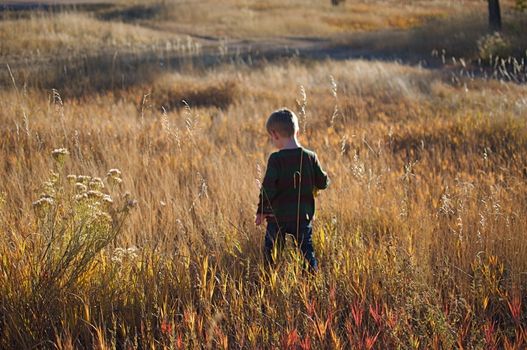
287, 195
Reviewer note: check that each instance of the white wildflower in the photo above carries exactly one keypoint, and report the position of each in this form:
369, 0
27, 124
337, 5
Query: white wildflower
96, 183
116, 257
93, 208
43, 202
58, 151
132, 252
80, 187
84, 179
121, 255
114, 180
95, 194
59, 154
42, 206
81, 197
114, 176
107, 199
114, 173
71, 178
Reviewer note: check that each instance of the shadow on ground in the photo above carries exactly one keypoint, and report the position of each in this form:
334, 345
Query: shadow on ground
132, 13
108, 11
17, 9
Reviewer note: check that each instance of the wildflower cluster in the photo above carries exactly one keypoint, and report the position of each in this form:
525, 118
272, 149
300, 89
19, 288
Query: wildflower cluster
84, 222
60, 154
46, 202
114, 177
121, 255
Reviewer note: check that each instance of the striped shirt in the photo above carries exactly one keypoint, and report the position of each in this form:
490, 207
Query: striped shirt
284, 183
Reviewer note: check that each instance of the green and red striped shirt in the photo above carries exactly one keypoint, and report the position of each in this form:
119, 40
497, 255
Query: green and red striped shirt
284, 183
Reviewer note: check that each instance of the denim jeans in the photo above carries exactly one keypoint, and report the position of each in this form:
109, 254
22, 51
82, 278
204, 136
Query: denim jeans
275, 235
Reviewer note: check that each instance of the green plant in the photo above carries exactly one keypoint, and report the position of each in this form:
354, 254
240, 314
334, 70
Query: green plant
494, 45
76, 219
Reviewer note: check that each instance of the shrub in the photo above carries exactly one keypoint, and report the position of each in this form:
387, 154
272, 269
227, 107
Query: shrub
75, 219
493, 45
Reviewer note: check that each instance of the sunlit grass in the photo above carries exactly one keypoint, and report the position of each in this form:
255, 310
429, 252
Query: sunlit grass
43, 36
420, 238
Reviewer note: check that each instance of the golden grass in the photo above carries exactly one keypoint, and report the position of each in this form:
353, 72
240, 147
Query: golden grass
272, 18
48, 35
44, 36
421, 236
458, 35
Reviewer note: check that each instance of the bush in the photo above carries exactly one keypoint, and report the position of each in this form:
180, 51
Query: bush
493, 45
75, 219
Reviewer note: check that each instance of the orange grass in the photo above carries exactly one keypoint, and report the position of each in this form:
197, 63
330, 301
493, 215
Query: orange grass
421, 237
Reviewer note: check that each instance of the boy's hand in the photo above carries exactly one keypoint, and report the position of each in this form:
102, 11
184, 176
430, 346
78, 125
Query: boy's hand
260, 218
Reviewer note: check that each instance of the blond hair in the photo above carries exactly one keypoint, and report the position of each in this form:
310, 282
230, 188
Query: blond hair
283, 121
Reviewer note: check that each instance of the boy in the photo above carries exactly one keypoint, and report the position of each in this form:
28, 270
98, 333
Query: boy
287, 196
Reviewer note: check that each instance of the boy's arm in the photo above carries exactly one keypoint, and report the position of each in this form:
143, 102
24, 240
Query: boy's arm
321, 177
269, 189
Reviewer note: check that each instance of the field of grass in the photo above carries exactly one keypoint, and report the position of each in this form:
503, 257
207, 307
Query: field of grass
126, 210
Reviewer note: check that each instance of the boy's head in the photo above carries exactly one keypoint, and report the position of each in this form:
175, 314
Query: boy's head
283, 123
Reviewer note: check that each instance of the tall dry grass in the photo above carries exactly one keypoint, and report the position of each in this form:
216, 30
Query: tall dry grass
421, 237
44, 36
63, 30
315, 19
85, 49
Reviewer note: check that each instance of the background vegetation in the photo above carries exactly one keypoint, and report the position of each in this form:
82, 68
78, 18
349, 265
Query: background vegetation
126, 214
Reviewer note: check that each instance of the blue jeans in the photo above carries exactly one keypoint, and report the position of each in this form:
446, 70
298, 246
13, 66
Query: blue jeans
275, 235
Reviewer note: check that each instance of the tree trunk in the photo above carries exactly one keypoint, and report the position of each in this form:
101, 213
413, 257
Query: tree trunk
494, 15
